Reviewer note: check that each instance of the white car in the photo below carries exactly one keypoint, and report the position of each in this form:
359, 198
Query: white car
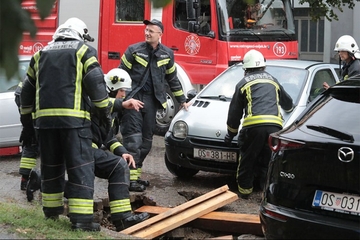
195, 139
10, 126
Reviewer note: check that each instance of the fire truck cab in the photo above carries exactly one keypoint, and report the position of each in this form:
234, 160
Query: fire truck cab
206, 36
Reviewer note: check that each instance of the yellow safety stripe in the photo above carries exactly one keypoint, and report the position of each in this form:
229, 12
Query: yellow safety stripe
89, 62
26, 110
133, 174
178, 93
233, 130
81, 206
164, 104
163, 62
170, 70
141, 61
62, 112
112, 100
139, 172
27, 163
78, 79
52, 200
114, 145
126, 62
244, 190
20, 84
252, 120
93, 145
118, 206
102, 104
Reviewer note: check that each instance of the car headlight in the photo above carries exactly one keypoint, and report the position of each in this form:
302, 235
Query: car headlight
180, 129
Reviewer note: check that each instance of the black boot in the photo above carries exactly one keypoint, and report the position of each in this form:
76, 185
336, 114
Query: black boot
33, 184
130, 221
23, 183
136, 187
87, 227
146, 183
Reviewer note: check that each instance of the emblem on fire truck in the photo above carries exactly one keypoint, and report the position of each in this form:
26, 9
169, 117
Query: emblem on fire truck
192, 44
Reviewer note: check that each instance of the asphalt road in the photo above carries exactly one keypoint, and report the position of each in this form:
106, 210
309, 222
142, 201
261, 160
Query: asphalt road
165, 189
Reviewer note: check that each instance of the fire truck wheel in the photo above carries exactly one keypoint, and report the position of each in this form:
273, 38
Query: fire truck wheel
164, 116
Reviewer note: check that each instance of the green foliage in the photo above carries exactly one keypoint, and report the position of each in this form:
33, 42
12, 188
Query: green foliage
160, 3
29, 223
321, 8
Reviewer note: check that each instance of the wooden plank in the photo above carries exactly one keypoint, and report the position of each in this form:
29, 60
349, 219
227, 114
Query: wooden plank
185, 216
175, 210
236, 223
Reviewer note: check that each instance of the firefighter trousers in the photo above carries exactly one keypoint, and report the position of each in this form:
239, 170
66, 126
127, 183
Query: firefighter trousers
254, 157
137, 127
115, 169
68, 149
28, 159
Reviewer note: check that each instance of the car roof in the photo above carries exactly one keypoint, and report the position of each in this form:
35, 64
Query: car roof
294, 63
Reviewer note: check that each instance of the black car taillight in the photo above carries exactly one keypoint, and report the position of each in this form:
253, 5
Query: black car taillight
276, 144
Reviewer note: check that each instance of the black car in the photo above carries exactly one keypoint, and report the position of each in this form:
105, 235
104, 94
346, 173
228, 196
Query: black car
313, 185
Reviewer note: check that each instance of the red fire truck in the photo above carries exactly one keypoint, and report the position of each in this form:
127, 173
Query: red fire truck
206, 36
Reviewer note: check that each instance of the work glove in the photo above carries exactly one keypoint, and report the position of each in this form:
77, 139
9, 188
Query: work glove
228, 139
105, 119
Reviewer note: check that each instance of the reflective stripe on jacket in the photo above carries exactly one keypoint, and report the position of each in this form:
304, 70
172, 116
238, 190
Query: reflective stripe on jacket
139, 57
56, 86
258, 97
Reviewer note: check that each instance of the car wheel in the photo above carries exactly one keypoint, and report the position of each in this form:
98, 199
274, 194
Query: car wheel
178, 171
164, 116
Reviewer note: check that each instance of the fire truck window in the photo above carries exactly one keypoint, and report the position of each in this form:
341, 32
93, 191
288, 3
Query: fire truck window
130, 10
180, 20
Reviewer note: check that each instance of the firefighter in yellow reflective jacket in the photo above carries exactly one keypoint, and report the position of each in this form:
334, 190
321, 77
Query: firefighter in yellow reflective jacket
63, 80
258, 96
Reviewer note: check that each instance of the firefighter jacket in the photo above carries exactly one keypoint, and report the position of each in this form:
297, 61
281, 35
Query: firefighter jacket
62, 79
142, 62
350, 69
108, 139
258, 96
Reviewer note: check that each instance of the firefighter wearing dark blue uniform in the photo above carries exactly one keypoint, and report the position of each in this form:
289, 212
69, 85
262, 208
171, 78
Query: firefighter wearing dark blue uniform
151, 66
64, 79
258, 96
29, 151
112, 164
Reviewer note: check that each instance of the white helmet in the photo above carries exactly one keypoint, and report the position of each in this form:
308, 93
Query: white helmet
347, 43
72, 28
253, 59
117, 79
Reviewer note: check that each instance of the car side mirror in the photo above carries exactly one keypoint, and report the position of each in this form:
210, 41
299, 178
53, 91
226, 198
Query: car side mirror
191, 94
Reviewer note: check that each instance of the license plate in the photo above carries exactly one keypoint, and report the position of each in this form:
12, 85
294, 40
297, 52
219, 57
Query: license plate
337, 202
217, 155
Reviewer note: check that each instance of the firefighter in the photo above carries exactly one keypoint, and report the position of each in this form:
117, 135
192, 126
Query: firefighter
111, 164
349, 55
258, 96
63, 79
29, 151
151, 66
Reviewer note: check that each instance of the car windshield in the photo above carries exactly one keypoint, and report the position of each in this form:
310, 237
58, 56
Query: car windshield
11, 84
292, 79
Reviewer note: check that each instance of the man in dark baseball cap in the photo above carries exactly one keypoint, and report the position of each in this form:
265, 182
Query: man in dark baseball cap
155, 22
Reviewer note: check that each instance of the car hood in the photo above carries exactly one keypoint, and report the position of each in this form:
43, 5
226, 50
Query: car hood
208, 118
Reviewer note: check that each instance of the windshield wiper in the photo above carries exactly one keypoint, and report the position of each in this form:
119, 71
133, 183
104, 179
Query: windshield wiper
220, 97
332, 132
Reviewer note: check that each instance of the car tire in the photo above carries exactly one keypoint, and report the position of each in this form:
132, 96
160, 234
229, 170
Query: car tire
178, 171
164, 116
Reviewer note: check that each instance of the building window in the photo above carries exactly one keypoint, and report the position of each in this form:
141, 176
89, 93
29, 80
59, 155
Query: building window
310, 34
